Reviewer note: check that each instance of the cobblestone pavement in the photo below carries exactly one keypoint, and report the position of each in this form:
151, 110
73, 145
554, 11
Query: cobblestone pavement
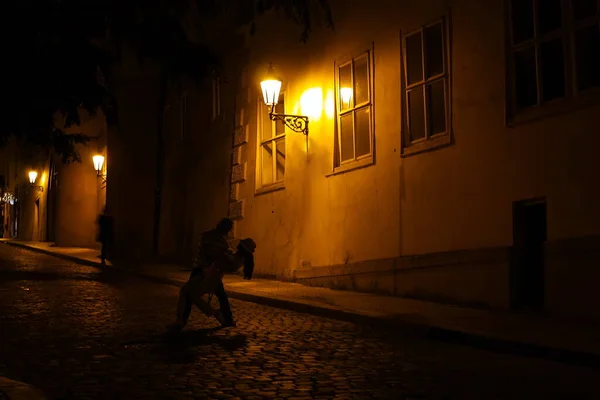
81, 332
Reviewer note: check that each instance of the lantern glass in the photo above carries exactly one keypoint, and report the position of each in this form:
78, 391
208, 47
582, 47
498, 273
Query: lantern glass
32, 176
98, 162
271, 89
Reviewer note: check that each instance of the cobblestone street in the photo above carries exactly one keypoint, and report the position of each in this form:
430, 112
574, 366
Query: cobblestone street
80, 332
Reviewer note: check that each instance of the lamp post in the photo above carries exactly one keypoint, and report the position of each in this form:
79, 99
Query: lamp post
271, 87
32, 177
98, 164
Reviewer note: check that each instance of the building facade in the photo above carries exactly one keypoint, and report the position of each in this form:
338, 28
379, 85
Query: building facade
450, 153
63, 201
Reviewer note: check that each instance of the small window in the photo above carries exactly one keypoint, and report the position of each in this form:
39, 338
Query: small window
271, 148
554, 50
354, 139
426, 89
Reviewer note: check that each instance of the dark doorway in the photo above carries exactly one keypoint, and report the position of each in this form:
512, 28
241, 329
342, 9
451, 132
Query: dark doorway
527, 259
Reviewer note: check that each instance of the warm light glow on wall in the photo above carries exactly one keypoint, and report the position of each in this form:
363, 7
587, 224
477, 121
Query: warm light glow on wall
346, 96
32, 176
311, 103
330, 104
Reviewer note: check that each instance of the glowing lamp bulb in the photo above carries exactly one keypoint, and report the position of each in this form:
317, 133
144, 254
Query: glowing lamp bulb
98, 162
32, 177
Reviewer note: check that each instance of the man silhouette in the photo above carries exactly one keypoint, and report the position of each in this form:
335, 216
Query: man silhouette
211, 247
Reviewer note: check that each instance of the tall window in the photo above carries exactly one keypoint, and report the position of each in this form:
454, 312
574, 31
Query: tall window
183, 115
554, 50
354, 140
216, 97
426, 88
271, 149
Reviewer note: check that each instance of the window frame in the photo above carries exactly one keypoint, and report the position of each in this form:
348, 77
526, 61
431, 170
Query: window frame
574, 98
439, 140
367, 159
260, 142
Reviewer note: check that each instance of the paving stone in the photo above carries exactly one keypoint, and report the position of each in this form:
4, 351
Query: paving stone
84, 332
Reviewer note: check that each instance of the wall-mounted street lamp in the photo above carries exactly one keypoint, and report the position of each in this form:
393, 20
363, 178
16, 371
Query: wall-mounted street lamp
98, 163
271, 87
32, 177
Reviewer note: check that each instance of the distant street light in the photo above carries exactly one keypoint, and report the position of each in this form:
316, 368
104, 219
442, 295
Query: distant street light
98, 164
32, 177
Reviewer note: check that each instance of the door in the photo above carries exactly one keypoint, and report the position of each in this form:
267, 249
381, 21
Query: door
527, 259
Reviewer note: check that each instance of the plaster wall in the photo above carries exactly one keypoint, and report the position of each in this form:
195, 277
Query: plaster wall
455, 198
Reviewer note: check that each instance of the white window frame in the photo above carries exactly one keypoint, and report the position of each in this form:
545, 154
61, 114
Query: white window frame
366, 159
262, 119
567, 34
440, 139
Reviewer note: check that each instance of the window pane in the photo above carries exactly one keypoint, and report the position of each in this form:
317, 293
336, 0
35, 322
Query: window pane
522, 20
416, 114
280, 165
414, 60
267, 124
434, 50
361, 79
347, 137
549, 15
267, 163
553, 70
436, 107
363, 131
525, 79
583, 9
587, 57
346, 83
280, 109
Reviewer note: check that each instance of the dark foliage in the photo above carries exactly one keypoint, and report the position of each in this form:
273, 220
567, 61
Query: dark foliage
60, 55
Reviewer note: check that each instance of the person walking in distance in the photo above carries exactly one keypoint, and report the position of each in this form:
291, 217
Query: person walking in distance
105, 234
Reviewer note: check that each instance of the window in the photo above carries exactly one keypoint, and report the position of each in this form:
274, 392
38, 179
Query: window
216, 97
183, 114
426, 89
554, 50
271, 149
354, 139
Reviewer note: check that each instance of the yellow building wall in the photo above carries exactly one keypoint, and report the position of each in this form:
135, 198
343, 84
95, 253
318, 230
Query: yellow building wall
454, 198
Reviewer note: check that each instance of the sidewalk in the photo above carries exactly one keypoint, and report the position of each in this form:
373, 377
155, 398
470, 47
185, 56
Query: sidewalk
521, 334
13, 390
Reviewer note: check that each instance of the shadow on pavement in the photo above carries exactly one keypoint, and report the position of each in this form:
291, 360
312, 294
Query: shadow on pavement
178, 348
106, 275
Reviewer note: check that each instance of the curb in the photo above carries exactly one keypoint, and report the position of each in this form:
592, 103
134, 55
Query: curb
403, 326
57, 255
13, 390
